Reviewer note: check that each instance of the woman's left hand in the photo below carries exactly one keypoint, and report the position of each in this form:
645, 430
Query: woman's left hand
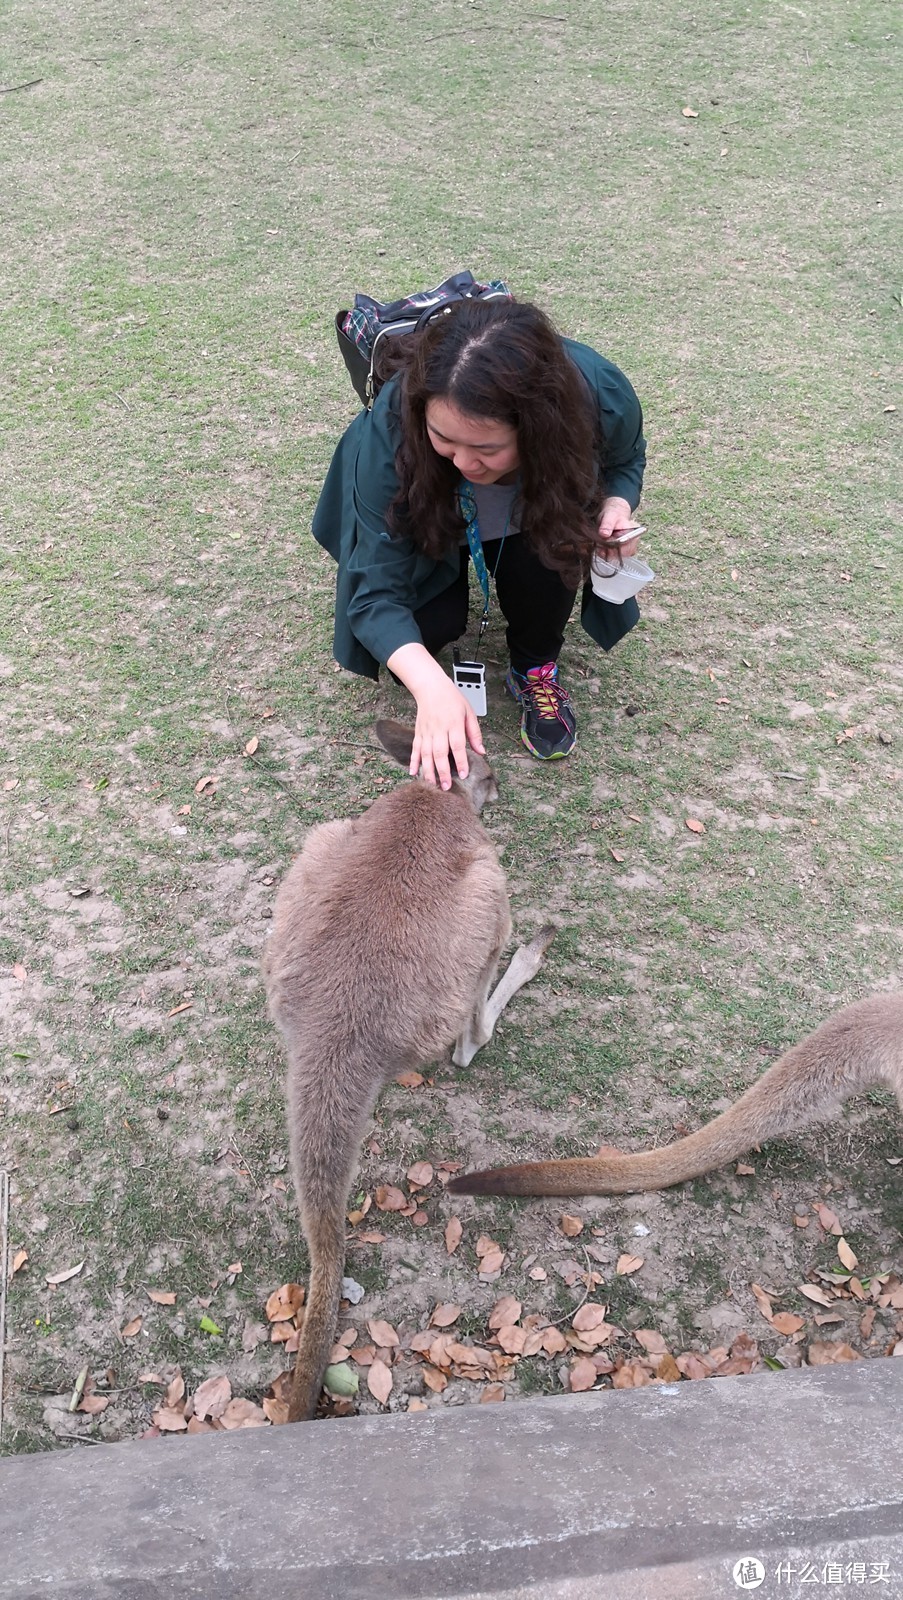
617, 515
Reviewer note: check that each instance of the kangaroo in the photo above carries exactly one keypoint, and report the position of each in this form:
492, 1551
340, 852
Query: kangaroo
386, 937
860, 1046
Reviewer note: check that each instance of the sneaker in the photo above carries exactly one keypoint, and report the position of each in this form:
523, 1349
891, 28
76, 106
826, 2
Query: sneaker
548, 726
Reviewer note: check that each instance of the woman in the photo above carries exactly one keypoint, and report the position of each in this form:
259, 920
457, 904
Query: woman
496, 436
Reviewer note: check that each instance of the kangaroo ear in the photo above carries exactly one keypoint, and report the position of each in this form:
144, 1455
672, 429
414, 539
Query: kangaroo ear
397, 739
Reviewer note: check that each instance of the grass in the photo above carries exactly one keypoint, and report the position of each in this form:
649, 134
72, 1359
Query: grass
195, 196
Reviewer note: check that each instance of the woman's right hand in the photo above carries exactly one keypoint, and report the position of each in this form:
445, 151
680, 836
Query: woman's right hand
446, 722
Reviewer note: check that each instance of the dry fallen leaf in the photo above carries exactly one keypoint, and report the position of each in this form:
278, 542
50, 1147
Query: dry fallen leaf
389, 1199
484, 1243
419, 1175
169, 1420
694, 824
590, 1316
379, 1381
492, 1262
453, 1232
651, 1341
93, 1404
251, 746
492, 1392
175, 1390
828, 1218
65, 1275
243, 1414
382, 1333
20, 972
409, 1080
275, 1410
847, 1257
582, 1375
571, 1226
867, 1321
787, 1323
762, 1301
617, 855
632, 1375
206, 785
434, 1379
19, 1260
689, 112
628, 1264
285, 1302
667, 1369
504, 1312
512, 1339
131, 1328
162, 1297
370, 1236
538, 1274
212, 1397
744, 1171
444, 1315
813, 1292
826, 1355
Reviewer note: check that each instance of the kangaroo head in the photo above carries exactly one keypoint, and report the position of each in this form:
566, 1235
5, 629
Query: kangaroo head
479, 785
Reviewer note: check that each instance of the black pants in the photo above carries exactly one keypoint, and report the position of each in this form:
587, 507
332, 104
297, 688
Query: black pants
534, 601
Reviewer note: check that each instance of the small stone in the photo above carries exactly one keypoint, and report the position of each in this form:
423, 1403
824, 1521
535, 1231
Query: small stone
72, 1124
162, 1114
631, 710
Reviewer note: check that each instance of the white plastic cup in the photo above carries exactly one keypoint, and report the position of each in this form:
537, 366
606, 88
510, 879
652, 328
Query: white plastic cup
617, 581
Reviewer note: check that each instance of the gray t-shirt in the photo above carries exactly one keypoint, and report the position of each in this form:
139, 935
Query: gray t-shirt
494, 503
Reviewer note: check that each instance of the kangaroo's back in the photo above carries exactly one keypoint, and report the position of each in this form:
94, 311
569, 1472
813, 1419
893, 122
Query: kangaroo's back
382, 933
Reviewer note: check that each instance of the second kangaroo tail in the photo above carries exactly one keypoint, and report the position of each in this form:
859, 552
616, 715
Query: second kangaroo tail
326, 1243
861, 1045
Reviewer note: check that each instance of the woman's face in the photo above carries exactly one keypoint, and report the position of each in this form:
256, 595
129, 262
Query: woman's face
483, 450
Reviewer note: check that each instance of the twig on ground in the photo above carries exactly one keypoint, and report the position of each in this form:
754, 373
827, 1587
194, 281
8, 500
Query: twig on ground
247, 1166
13, 88
589, 1286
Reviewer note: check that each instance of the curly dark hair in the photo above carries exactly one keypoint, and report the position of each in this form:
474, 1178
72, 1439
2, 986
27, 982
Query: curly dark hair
502, 361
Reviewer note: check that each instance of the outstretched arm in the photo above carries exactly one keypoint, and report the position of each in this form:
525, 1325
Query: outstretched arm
445, 720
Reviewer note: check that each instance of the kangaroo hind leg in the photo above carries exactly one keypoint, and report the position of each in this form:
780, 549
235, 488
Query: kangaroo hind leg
524, 965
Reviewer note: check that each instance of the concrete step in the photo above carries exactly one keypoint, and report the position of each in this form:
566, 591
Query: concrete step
649, 1495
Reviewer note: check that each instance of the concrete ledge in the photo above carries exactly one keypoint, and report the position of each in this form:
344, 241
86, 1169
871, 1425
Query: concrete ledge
651, 1495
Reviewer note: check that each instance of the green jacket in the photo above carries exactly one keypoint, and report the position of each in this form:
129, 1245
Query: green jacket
382, 580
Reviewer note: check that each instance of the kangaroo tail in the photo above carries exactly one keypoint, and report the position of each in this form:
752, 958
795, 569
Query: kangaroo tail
862, 1044
326, 1242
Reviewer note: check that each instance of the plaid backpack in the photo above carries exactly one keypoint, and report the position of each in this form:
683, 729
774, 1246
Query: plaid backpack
366, 333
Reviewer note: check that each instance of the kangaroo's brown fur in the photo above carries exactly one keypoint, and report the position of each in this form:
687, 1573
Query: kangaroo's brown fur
386, 936
860, 1046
